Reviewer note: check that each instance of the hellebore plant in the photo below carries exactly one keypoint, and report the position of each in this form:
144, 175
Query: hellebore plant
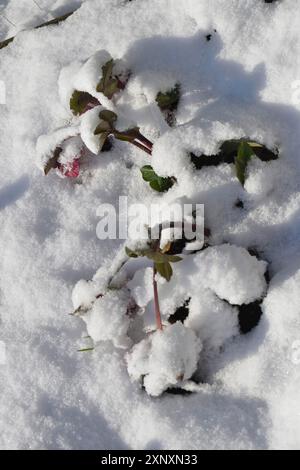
111, 82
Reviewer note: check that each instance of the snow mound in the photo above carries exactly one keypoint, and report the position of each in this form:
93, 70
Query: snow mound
232, 273
107, 320
165, 359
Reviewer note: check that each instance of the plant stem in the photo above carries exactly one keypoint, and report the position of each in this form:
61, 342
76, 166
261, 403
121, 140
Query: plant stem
156, 302
142, 147
144, 141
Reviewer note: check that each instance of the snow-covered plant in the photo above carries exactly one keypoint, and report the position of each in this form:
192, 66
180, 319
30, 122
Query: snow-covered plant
168, 102
89, 91
165, 359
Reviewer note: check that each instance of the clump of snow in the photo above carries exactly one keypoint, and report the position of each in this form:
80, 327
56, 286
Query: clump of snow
71, 148
46, 144
65, 83
90, 73
165, 358
89, 122
108, 320
213, 320
232, 273
84, 294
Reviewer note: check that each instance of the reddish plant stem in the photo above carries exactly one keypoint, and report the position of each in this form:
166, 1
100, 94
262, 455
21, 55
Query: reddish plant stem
142, 147
144, 141
156, 302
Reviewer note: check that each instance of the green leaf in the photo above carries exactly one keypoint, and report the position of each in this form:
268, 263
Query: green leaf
164, 269
156, 256
131, 253
81, 101
53, 161
108, 84
108, 116
173, 258
148, 173
102, 127
245, 152
158, 183
169, 100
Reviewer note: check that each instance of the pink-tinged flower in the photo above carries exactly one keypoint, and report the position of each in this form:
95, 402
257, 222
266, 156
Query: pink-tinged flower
70, 169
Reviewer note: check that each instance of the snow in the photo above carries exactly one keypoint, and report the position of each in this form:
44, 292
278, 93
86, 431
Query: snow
238, 84
164, 359
108, 319
232, 273
89, 122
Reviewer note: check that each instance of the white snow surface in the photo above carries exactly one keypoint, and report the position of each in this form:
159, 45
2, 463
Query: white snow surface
237, 84
165, 358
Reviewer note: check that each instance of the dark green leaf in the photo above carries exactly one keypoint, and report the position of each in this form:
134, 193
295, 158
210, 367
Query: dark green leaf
170, 99
156, 256
164, 269
245, 152
158, 183
108, 116
108, 84
81, 101
102, 127
148, 173
173, 258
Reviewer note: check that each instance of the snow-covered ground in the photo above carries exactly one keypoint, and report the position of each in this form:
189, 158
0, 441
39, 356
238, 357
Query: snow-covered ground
242, 82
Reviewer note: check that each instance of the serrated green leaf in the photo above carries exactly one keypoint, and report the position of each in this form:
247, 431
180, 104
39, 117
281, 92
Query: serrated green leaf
81, 101
169, 100
245, 152
164, 269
